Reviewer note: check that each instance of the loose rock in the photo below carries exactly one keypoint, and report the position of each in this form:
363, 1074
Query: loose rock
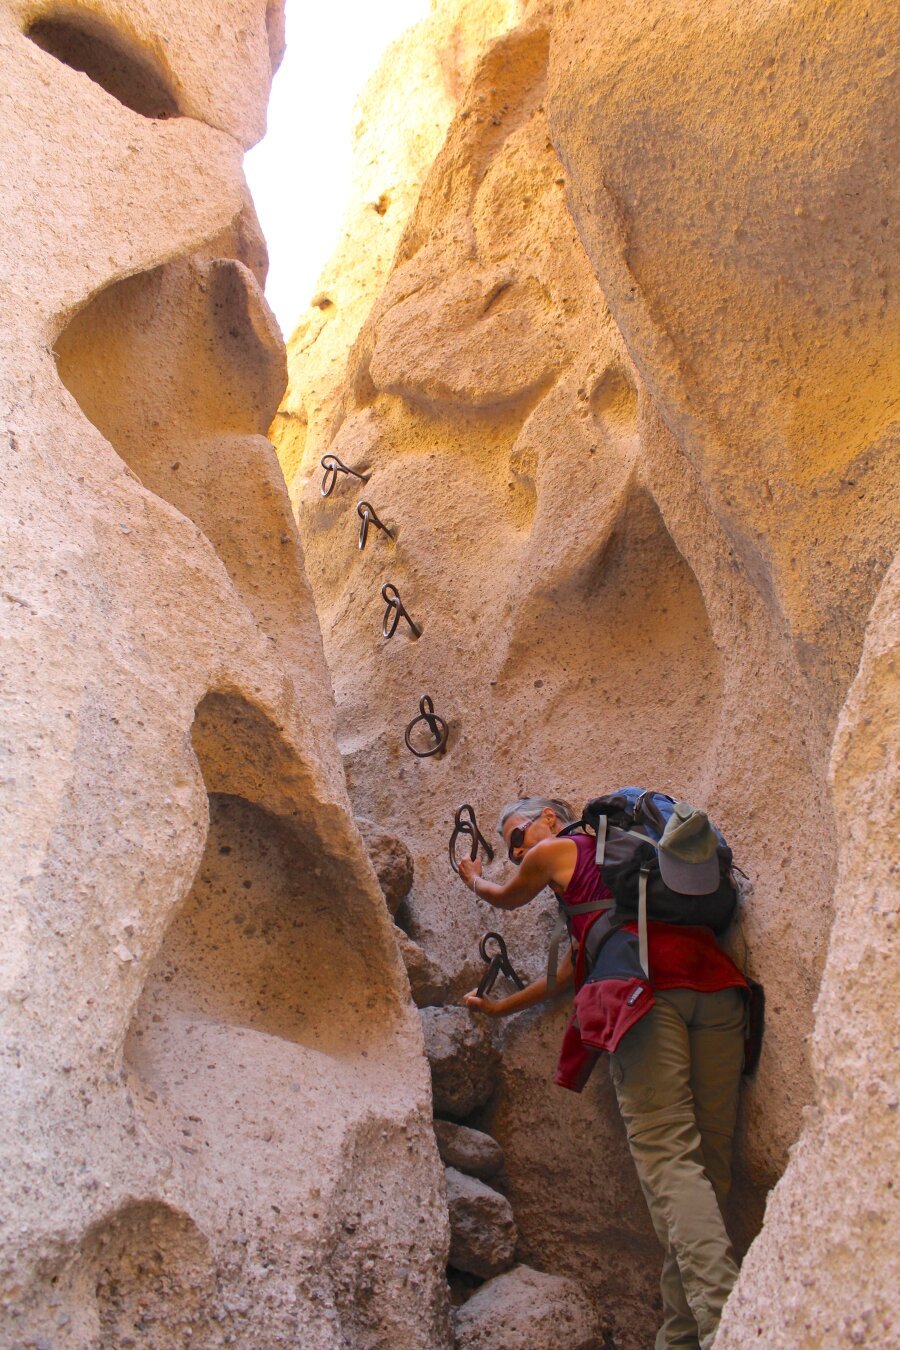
392, 861
482, 1227
427, 981
464, 1063
470, 1151
526, 1310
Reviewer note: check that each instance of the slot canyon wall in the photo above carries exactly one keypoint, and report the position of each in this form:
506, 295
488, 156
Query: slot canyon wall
216, 1122
627, 403
610, 329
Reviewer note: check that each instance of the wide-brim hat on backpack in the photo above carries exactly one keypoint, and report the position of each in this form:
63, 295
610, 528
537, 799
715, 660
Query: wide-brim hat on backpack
688, 860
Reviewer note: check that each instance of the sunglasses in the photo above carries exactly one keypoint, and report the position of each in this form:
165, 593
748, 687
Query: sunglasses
517, 840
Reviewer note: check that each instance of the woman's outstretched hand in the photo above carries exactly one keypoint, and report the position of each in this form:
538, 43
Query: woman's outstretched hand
469, 869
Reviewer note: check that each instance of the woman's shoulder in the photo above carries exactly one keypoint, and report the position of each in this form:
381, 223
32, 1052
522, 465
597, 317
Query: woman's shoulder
561, 857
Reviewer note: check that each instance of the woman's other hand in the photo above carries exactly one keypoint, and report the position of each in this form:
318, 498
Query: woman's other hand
492, 1007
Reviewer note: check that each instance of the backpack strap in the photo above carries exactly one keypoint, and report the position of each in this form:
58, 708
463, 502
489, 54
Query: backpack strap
602, 826
601, 840
559, 932
643, 948
636, 834
560, 928
645, 808
573, 828
569, 911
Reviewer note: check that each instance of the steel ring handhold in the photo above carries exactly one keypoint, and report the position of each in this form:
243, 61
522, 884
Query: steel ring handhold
486, 956
496, 964
333, 466
436, 725
464, 823
395, 612
367, 516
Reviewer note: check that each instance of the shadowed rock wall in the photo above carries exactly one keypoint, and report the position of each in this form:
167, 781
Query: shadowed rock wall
216, 1121
625, 404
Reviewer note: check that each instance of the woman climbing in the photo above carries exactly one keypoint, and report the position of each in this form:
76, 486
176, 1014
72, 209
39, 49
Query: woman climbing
676, 1054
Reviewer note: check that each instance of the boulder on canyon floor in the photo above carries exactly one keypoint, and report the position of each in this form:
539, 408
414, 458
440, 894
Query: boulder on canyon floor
527, 1310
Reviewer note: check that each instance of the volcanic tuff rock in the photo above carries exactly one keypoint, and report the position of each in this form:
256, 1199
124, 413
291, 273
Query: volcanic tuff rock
622, 371
392, 861
463, 1061
401, 118
482, 1227
524, 1309
626, 397
825, 1268
468, 1150
427, 981
217, 1115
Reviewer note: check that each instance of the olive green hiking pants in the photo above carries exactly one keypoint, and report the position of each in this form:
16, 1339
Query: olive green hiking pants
676, 1075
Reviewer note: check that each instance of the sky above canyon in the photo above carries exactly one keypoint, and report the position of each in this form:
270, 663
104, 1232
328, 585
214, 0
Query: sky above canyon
300, 173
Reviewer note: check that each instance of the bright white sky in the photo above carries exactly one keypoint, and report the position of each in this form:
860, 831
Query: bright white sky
300, 173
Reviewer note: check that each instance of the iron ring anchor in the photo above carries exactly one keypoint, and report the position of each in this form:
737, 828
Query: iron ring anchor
333, 466
395, 612
367, 516
497, 964
436, 725
464, 823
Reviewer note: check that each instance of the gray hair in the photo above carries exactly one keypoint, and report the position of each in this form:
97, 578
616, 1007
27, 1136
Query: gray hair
532, 808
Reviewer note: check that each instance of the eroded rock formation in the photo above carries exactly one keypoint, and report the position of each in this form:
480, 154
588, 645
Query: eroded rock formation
217, 1113
610, 334
625, 403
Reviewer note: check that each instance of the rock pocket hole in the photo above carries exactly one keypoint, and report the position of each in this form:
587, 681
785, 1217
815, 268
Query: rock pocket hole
152, 1276
181, 368
89, 45
614, 404
263, 1002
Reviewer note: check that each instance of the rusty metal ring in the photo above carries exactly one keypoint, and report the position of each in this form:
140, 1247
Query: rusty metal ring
395, 612
436, 725
465, 824
496, 964
333, 466
501, 951
367, 516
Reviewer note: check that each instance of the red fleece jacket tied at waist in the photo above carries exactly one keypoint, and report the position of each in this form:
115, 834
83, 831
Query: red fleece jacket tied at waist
616, 993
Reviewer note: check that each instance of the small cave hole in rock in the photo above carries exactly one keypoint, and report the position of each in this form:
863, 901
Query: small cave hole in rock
86, 43
148, 1265
255, 1017
614, 404
181, 369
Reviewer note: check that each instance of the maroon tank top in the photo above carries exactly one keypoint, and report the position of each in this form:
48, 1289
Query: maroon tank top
586, 886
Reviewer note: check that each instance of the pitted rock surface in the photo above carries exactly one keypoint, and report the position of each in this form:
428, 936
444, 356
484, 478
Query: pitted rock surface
427, 982
527, 1310
468, 1150
464, 1063
392, 861
625, 389
217, 1066
482, 1226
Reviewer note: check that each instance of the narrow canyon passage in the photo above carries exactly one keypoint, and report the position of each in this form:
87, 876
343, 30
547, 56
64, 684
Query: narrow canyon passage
606, 340
600, 601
